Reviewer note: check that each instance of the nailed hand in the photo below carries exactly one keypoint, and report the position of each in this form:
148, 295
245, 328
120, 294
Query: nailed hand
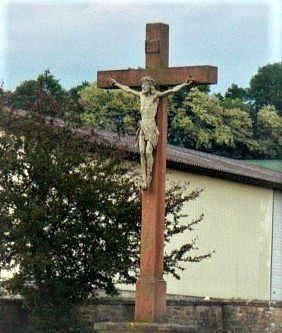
112, 82
189, 80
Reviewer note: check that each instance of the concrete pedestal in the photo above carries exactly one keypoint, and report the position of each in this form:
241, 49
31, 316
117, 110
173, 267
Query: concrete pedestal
127, 327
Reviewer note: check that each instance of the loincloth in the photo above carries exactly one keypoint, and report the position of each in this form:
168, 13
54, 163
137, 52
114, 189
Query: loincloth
148, 132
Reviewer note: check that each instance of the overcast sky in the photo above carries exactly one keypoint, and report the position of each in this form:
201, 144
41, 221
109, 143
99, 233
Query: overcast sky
76, 38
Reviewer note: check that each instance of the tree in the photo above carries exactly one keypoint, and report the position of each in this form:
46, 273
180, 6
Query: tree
74, 94
111, 110
266, 87
269, 131
202, 123
53, 94
195, 120
236, 103
236, 92
242, 142
25, 94
75, 91
70, 217
236, 98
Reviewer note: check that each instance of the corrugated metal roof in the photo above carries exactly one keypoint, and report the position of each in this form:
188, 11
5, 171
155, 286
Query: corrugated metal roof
209, 164
193, 160
218, 164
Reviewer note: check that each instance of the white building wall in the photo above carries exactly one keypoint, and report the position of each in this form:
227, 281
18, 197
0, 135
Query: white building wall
238, 227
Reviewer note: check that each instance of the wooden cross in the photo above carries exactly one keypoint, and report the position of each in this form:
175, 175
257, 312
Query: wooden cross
150, 303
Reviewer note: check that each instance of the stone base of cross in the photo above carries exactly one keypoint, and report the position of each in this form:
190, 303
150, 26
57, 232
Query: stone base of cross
137, 327
150, 304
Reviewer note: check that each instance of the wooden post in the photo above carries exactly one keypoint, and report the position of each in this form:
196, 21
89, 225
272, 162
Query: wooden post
151, 288
150, 305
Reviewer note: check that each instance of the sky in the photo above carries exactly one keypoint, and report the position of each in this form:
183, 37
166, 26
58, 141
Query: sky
76, 38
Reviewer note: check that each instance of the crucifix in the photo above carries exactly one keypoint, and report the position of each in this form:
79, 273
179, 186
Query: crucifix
150, 302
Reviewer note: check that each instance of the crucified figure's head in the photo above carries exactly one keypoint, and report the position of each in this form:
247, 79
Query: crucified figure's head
148, 85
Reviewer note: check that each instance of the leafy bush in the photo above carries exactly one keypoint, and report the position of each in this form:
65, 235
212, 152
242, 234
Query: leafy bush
70, 215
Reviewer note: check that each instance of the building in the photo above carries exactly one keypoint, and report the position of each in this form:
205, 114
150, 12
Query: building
242, 207
242, 204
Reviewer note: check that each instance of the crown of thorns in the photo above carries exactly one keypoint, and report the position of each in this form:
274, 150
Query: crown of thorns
148, 79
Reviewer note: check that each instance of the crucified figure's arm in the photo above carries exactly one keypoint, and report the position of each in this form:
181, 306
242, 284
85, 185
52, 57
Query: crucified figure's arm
188, 82
124, 88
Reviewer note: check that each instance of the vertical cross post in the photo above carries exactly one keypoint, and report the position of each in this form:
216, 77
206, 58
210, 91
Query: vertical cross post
150, 303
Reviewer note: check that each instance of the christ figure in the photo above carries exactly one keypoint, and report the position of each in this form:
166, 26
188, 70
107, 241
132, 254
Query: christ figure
148, 130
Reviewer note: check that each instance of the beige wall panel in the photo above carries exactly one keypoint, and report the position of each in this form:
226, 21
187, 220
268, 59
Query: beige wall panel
237, 226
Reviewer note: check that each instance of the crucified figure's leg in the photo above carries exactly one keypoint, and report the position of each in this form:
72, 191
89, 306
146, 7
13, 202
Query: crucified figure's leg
142, 148
149, 163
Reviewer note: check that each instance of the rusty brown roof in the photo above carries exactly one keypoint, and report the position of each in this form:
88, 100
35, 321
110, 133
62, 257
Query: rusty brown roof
223, 167
209, 164
192, 160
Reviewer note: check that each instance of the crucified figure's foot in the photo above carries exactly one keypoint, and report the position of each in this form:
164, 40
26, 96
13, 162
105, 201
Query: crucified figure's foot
148, 180
143, 183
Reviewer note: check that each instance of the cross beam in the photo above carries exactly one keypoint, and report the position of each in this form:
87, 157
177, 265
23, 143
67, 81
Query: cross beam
150, 303
169, 76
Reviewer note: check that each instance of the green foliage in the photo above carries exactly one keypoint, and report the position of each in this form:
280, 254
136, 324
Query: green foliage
236, 103
220, 132
52, 94
74, 94
58, 217
236, 92
70, 217
196, 120
111, 110
269, 131
242, 141
25, 94
266, 87
176, 100
117, 111
75, 91
202, 123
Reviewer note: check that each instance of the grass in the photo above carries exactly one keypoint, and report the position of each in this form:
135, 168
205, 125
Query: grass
269, 164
